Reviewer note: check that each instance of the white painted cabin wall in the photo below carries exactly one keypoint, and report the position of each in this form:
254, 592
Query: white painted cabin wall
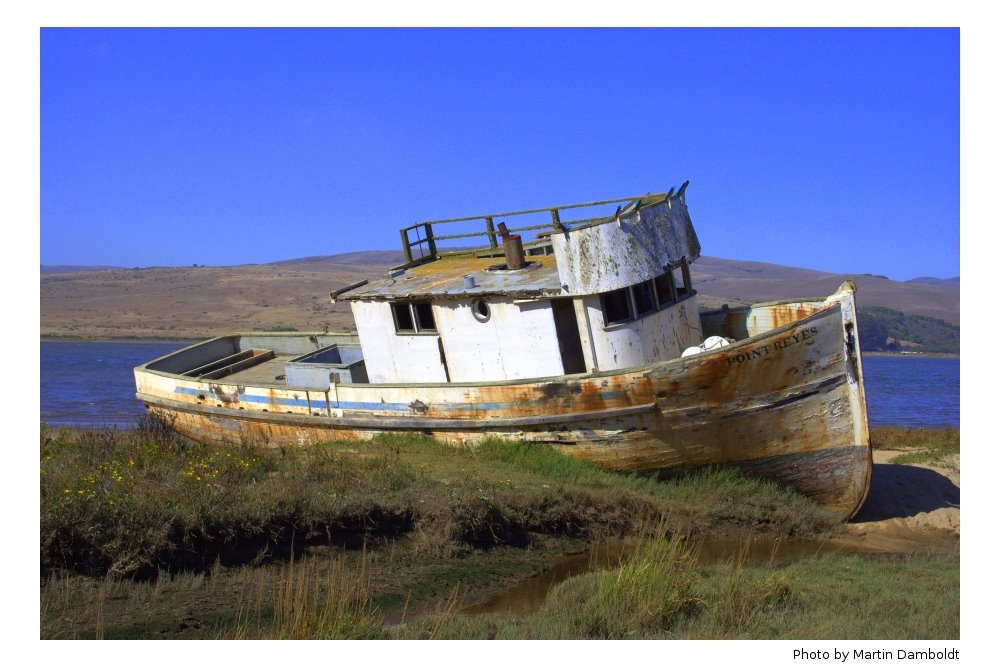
659, 336
518, 341
395, 358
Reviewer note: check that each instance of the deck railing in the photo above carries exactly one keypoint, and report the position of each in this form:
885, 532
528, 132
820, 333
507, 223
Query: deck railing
421, 234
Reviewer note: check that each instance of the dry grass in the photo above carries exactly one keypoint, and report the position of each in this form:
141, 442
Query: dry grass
192, 303
310, 601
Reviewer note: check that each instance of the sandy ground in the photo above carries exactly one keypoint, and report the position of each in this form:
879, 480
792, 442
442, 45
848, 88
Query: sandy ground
910, 507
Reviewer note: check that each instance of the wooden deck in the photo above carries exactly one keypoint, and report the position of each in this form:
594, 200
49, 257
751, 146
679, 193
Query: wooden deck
265, 373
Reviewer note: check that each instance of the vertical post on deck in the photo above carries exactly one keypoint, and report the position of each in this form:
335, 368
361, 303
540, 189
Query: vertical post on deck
337, 411
492, 232
406, 245
429, 233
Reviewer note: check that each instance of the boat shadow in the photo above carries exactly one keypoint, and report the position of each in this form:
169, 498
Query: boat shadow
901, 491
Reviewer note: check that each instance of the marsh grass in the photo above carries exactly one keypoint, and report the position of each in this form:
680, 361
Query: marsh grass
151, 518
662, 593
741, 598
834, 597
646, 594
132, 503
897, 437
544, 461
311, 600
140, 527
926, 446
442, 622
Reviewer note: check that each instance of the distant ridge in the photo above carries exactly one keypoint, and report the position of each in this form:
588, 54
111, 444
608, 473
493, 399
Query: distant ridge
191, 302
749, 282
943, 282
73, 268
361, 258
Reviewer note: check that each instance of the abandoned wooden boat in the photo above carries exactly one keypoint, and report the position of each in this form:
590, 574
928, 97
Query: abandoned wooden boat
588, 338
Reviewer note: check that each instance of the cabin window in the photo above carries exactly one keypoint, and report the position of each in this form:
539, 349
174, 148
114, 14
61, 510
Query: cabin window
424, 316
637, 301
403, 317
673, 285
682, 278
617, 306
413, 317
481, 310
666, 291
644, 300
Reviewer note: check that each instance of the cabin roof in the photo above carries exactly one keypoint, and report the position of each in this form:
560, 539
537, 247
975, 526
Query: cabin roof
445, 277
436, 274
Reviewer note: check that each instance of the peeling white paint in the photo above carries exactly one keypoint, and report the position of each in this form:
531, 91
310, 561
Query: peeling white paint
609, 256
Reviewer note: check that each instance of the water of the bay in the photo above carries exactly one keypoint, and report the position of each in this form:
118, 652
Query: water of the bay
912, 391
91, 384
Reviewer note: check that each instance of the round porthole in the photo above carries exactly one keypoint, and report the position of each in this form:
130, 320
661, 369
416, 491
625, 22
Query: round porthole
481, 310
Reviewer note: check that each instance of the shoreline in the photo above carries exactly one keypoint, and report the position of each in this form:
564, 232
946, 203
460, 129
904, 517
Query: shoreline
912, 355
69, 339
166, 339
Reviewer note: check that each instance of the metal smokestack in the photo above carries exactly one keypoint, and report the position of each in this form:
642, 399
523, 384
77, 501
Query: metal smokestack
513, 250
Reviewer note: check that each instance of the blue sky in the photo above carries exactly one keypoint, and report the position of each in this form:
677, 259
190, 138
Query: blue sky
831, 149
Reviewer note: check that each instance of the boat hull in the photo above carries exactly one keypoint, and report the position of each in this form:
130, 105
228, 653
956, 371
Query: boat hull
785, 402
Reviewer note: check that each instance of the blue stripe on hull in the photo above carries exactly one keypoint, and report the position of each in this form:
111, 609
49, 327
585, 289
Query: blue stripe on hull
385, 407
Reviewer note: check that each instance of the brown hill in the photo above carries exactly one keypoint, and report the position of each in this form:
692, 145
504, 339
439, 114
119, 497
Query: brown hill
71, 268
749, 282
954, 283
195, 302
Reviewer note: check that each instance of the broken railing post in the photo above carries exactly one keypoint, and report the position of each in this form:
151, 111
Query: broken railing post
556, 222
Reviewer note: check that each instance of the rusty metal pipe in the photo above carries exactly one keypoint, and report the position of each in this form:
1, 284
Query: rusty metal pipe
513, 251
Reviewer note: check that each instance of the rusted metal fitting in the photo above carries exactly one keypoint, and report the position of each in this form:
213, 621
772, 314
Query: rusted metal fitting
513, 251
